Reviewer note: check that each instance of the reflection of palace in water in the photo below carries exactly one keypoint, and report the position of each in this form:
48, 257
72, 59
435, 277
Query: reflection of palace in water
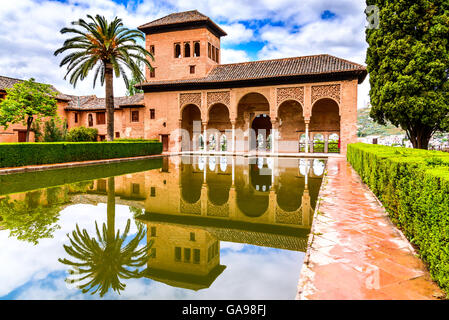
192, 203
195, 204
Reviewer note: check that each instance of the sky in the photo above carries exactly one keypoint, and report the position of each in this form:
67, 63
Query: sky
257, 30
34, 272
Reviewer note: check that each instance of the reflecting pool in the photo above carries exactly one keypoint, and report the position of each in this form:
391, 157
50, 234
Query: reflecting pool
185, 227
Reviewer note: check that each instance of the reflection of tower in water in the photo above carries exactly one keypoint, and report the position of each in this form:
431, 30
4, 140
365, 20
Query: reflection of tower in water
183, 256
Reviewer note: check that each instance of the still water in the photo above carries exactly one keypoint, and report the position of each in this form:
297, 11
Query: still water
169, 228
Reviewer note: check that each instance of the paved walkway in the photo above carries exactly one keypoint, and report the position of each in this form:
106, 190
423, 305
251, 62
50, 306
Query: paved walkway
355, 252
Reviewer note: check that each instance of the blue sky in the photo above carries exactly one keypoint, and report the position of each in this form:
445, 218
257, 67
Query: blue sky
257, 30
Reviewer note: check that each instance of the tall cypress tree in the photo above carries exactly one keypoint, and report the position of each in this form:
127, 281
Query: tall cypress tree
408, 63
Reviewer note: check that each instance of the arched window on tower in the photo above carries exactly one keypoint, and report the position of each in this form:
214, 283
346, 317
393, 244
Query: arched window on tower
177, 50
213, 53
196, 49
187, 49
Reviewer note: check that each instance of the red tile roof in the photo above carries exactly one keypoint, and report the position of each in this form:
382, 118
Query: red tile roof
91, 103
323, 64
8, 83
180, 19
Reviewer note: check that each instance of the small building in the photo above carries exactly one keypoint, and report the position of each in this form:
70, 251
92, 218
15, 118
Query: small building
17, 132
87, 111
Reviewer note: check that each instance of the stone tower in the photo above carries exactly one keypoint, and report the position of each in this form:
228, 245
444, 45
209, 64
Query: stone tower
185, 45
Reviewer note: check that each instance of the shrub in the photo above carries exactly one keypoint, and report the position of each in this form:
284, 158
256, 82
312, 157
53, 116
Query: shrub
22, 154
82, 134
53, 132
413, 185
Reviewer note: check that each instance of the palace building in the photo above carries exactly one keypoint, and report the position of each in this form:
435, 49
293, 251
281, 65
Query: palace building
242, 107
193, 103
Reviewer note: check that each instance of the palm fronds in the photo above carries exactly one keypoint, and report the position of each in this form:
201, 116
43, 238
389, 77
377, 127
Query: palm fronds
104, 260
96, 44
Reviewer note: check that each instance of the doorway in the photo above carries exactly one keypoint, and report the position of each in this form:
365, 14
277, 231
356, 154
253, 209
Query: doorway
165, 142
262, 130
22, 136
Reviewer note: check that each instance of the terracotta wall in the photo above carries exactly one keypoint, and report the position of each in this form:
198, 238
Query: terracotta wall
306, 97
167, 66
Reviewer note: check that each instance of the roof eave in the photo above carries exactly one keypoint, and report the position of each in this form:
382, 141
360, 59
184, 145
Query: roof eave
360, 75
184, 25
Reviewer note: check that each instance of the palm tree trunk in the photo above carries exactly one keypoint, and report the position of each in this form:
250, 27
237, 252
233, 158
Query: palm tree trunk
109, 79
111, 208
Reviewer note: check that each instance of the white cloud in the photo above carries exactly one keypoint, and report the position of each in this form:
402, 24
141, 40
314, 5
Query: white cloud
30, 31
232, 56
30, 35
24, 260
237, 33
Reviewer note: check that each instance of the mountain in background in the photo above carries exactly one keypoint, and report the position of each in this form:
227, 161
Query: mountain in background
367, 127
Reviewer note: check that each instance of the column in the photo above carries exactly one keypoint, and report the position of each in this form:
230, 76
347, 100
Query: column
307, 136
205, 136
233, 171
247, 134
274, 135
311, 142
205, 172
326, 142
233, 136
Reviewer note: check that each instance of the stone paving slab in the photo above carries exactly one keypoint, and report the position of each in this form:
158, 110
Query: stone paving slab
355, 251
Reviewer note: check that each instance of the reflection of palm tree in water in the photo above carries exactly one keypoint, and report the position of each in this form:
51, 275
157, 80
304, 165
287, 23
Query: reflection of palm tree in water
105, 260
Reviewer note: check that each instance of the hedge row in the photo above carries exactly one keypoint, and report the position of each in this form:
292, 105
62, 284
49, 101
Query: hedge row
27, 181
413, 185
22, 154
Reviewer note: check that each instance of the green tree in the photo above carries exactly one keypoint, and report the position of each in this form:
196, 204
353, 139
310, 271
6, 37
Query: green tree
408, 61
25, 102
108, 47
132, 90
28, 220
54, 131
79, 134
103, 261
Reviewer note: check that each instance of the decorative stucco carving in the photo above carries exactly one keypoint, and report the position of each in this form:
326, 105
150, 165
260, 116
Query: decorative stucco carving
223, 97
190, 98
191, 208
295, 93
287, 217
326, 91
217, 211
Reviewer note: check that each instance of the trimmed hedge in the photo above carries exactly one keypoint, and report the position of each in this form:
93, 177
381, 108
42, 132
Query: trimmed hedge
22, 154
413, 185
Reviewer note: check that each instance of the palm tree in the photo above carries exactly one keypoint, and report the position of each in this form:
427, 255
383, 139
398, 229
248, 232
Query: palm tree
104, 260
108, 47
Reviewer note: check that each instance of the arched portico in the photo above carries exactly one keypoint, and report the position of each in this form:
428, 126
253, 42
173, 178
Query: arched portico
291, 126
249, 107
325, 120
219, 124
191, 125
